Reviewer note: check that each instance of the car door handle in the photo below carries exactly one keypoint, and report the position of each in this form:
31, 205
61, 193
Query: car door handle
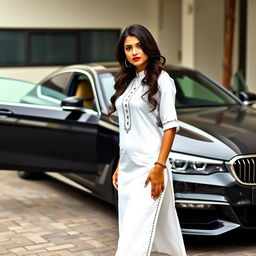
5, 112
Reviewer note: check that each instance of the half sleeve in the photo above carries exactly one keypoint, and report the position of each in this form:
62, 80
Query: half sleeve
167, 111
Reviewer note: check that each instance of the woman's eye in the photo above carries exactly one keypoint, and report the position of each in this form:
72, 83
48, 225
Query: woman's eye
139, 46
128, 48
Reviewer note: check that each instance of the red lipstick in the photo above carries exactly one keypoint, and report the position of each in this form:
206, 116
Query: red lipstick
136, 58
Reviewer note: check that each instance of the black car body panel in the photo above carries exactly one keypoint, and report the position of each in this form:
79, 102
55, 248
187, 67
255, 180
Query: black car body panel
30, 129
225, 131
213, 156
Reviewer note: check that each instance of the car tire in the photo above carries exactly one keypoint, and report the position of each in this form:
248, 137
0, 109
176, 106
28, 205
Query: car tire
26, 175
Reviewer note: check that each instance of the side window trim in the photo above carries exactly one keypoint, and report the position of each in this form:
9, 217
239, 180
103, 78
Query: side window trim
55, 74
17, 104
39, 87
83, 72
92, 82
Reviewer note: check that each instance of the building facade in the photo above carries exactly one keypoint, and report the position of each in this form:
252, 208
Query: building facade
189, 32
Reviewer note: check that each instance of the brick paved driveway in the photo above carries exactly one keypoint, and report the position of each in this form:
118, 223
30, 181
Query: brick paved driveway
46, 217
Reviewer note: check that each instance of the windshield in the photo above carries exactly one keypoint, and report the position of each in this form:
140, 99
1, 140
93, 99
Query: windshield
196, 90
16, 91
193, 90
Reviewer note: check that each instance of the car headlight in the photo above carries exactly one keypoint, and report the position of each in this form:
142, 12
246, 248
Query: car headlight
183, 163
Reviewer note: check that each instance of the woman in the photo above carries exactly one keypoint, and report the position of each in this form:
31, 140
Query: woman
144, 100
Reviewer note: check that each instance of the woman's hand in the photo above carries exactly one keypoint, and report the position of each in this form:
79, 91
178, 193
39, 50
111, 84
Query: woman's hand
115, 178
156, 176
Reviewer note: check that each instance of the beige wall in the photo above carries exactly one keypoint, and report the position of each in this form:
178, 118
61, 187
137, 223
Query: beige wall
203, 36
209, 37
170, 30
194, 28
77, 13
32, 74
73, 14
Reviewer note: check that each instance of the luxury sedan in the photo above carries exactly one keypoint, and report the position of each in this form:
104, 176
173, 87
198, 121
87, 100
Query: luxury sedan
61, 127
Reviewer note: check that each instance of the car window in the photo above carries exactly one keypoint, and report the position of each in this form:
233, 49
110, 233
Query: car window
193, 89
59, 82
81, 86
16, 91
107, 83
196, 90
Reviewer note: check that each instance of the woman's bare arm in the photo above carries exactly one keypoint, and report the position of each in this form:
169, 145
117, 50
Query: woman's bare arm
166, 144
115, 176
156, 175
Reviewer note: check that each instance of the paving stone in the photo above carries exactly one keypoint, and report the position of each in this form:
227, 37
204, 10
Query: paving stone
16, 242
35, 238
38, 246
3, 250
18, 250
250, 252
72, 233
59, 225
83, 253
95, 243
48, 218
60, 247
56, 253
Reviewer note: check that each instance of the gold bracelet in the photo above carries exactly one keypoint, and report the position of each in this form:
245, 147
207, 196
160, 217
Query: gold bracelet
163, 165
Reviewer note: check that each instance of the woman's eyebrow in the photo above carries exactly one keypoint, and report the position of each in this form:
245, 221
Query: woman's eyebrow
131, 44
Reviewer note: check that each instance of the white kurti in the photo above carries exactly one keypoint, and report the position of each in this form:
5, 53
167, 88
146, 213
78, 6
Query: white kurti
146, 224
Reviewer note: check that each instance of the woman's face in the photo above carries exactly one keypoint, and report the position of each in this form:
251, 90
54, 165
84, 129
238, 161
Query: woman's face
134, 53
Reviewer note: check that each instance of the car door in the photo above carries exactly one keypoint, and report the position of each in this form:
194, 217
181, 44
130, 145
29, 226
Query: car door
83, 84
36, 134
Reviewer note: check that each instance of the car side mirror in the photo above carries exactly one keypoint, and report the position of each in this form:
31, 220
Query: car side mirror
248, 98
73, 103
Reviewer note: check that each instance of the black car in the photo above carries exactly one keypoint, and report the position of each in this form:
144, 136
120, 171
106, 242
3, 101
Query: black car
61, 127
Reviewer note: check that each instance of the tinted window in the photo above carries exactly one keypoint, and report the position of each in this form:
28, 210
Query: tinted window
28, 47
193, 90
48, 48
12, 48
59, 82
16, 91
196, 90
107, 83
98, 45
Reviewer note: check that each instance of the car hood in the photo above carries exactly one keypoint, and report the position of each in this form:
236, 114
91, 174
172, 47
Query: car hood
217, 132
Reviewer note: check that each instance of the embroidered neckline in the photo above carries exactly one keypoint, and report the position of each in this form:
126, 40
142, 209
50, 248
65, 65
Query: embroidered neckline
126, 105
140, 74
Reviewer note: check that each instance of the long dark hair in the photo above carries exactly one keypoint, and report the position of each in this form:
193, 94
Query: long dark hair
126, 74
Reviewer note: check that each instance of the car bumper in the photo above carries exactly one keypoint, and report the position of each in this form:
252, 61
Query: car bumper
213, 204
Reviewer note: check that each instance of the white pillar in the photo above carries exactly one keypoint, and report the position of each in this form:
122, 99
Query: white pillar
209, 33
187, 34
251, 52
170, 30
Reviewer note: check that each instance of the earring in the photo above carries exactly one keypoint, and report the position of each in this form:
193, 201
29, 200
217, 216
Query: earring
127, 65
